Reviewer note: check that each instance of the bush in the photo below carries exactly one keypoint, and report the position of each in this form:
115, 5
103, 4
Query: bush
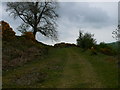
0, 30
105, 49
29, 36
86, 41
64, 45
93, 51
7, 31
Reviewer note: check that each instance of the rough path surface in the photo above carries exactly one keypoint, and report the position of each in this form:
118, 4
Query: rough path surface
78, 72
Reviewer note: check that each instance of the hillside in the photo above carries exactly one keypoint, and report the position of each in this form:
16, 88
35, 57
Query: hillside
68, 67
18, 51
27, 63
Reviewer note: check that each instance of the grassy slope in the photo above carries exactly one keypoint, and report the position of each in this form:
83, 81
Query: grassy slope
19, 51
65, 68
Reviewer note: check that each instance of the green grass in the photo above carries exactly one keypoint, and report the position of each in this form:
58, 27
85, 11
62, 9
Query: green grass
64, 68
46, 66
106, 68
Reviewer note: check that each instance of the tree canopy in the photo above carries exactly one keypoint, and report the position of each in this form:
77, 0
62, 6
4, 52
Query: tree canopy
116, 33
40, 16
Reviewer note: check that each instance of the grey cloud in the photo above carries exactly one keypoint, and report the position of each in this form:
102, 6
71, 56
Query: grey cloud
82, 13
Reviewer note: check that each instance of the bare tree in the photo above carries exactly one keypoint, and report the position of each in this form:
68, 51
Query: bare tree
116, 33
41, 16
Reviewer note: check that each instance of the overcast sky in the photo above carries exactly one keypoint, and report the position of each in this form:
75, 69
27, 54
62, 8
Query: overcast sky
98, 18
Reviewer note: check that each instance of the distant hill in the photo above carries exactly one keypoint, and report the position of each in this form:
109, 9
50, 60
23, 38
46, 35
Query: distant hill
114, 45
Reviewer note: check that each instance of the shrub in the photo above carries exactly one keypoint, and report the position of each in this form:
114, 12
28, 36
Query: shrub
29, 36
93, 51
64, 45
0, 30
60, 45
86, 40
105, 49
7, 31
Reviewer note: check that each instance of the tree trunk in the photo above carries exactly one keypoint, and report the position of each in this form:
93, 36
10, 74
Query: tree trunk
34, 32
35, 22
